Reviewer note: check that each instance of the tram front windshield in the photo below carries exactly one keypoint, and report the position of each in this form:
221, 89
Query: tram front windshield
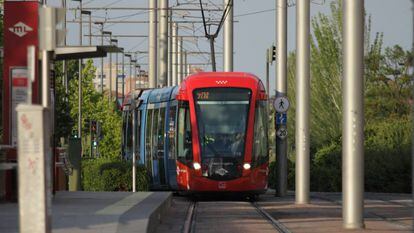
222, 115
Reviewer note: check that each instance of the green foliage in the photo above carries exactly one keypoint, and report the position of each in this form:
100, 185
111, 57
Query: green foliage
105, 174
387, 160
95, 106
387, 108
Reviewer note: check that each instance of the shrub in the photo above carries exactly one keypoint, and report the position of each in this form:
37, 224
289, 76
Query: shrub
105, 174
387, 159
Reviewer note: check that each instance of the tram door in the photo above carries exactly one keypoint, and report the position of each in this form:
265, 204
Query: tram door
157, 150
148, 145
171, 164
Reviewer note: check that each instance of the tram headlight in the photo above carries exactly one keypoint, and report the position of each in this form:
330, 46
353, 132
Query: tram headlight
197, 166
246, 166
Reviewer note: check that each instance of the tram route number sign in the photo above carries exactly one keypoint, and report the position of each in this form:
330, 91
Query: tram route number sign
282, 132
281, 104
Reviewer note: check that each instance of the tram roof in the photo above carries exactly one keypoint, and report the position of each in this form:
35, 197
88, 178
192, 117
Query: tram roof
159, 95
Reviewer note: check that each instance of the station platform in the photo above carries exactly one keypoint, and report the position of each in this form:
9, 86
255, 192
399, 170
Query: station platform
103, 212
384, 212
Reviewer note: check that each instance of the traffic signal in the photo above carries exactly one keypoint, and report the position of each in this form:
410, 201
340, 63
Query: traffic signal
273, 57
93, 129
271, 54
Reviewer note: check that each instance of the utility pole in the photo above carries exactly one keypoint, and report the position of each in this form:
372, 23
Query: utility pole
116, 70
152, 66
228, 37
180, 60
412, 148
170, 44
163, 43
80, 78
267, 71
123, 77
302, 101
353, 115
281, 91
185, 65
64, 68
110, 71
174, 54
102, 60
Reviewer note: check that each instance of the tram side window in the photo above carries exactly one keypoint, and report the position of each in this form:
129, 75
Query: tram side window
171, 133
138, 131
155, 125
148, 135
185, 153
160, 134
260, 146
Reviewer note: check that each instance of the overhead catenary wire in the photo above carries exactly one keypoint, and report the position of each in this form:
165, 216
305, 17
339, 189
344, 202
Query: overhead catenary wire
212, 37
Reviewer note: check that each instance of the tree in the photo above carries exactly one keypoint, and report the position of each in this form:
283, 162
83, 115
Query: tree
95, 106
326, 76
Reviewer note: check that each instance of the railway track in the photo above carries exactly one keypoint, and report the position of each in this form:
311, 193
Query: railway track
215, 217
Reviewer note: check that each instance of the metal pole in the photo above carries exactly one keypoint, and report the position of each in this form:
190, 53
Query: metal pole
134, 155
45, 79
353, 115
185, 65
135, 77
110, 73
90, 29
130, 76
281, 90
102, 60
80, 78
152, 53
179, 60
228, 38
64, 66
412, 149
302, 101
163, 43
267, 72
213, 54
116, 77
170, 45
174, 54
123, 77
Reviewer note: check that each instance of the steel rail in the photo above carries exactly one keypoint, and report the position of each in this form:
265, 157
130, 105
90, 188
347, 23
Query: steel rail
275, 223
189, 224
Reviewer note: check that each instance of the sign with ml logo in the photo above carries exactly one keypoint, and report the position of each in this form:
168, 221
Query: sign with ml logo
20, 29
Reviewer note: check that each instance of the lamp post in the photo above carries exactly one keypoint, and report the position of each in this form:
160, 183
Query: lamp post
80, 77
110, 64
130, 60
102, 42
132, 64
115, 41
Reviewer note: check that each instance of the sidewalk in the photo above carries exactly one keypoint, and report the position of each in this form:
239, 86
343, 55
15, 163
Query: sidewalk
106, 212
387, 213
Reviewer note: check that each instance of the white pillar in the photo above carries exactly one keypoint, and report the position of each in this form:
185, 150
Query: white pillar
302, 101
163, 44
228, 37
152, 40
353, 115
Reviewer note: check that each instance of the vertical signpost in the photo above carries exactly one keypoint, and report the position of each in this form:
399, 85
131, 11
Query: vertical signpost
20, 31
281, 91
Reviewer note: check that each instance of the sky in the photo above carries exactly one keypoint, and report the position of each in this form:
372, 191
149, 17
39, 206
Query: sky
253, 34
